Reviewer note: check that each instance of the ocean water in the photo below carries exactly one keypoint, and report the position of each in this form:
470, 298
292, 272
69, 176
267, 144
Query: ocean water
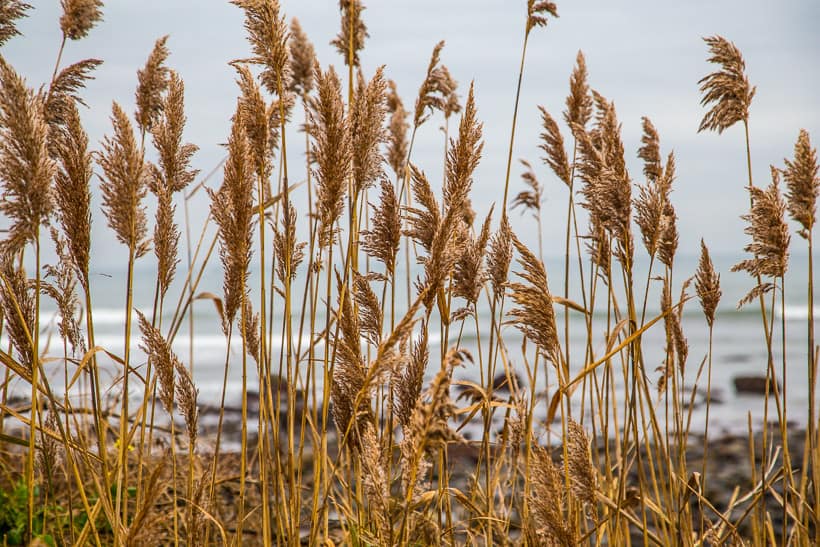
738, 341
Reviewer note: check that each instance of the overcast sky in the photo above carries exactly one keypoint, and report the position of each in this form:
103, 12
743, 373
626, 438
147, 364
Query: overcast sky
647, 56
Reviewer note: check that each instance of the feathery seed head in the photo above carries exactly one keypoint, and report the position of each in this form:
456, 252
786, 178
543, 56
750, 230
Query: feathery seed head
529, 200
124, 184
462, 158
383, 239
579, 101
537, 11
434, 90
255, 116
424, 223
175, 172
500, 256
302, 61
268, 36
650, 152
63, 92
707, 284
79, 17
289, 251
158, 350
547, 500
186, 395
331, 149
553, 145
18, 303
451, 106
62, 291
72, 190
802, 183
409, 382
769, 232
348, 42
728, 89
232, 210
10, 11
608, 188
583, 476
470, 273
26, 169
367, 130
397, 145
153, 81
535, 316
166, 240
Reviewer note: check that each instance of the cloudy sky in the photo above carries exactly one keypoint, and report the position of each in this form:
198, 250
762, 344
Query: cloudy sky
647, 56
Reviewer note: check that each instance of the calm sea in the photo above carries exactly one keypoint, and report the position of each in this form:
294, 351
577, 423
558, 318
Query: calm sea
738, 345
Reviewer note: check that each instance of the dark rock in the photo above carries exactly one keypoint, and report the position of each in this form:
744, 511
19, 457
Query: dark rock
755, 385
500, 382
736, 358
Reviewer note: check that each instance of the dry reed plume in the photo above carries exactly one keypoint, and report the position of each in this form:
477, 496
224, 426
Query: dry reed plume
728, 89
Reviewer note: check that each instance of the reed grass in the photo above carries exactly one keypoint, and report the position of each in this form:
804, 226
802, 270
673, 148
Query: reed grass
361, 432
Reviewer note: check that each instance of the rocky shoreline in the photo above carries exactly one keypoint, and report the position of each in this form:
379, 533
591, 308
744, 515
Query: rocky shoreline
727, 475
